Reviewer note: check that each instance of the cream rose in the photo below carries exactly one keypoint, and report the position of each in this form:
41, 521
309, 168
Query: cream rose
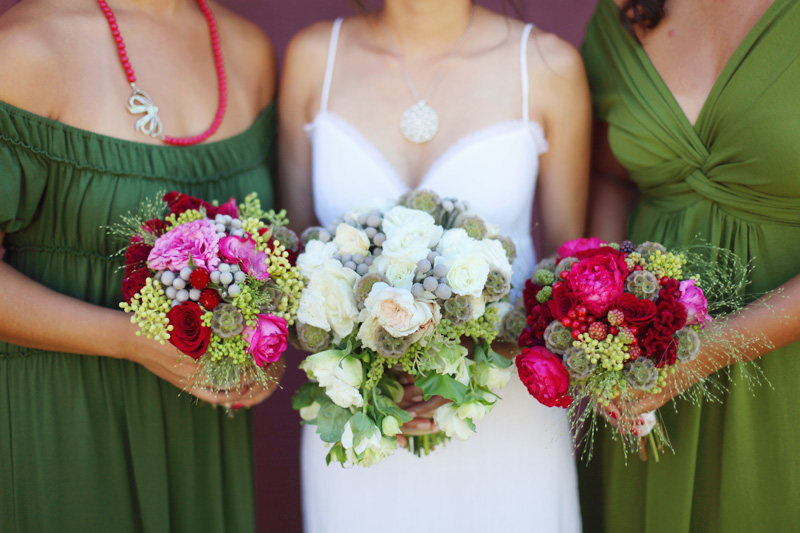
493, 253
410, 234
315, 253
328, 301
455, 242
467, 273
350, 240
396, 310
398, 270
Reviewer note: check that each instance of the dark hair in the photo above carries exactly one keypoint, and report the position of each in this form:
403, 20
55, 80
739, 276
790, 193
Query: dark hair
514, 5
645, 14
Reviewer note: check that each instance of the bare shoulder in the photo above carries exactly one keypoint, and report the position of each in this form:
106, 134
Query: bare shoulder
304, 67
311, 44
250, 47
550, 56
32, 37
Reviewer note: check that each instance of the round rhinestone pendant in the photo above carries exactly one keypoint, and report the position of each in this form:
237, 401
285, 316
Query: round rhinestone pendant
419, 123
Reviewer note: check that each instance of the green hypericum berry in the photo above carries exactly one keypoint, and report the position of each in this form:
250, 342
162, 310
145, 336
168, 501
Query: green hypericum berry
544, 264
557, 338
641, 374
227, 321
424, 200
626, 335
364, 285
642, 284
512, 325
545, 294
473, 225
688, 344
313, 339
391, 347
497, 285
509, 247
458, 309
578, 363
544, 277
598, 331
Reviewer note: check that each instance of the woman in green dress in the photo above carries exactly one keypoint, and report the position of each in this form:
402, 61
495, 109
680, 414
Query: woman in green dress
697, 106
95, 434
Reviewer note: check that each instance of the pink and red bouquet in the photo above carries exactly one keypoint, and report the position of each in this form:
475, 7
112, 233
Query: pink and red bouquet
219, 282
604, 320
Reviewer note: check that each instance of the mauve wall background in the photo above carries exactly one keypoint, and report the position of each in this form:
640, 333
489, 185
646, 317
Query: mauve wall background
277, 428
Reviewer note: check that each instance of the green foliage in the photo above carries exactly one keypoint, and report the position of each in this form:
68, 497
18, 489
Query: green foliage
442, 385
331, 420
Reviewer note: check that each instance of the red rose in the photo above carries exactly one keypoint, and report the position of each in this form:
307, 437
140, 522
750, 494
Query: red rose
563, 301
156, 226
188, 334
545, 376
637, 312
136, 256
179, 202
133, 283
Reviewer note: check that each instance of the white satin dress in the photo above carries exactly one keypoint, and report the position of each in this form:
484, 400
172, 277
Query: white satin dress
517, 473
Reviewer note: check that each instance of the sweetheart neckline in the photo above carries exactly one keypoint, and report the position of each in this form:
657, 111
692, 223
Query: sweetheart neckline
481, 134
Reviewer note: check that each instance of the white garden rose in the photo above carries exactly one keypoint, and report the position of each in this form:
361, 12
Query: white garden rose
648, 421
410, 234
310, 412
315, 253
328, 301
343, 394
398, 270
478, 307
350, 240
487, 375
494, 254
396, 310
368, 331
454, 243
371, 440
448, 421
472, 410
467, 273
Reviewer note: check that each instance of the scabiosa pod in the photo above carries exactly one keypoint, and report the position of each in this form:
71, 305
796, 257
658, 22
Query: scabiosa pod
641, 374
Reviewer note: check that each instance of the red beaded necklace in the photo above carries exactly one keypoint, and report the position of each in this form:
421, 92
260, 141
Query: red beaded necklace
140, 102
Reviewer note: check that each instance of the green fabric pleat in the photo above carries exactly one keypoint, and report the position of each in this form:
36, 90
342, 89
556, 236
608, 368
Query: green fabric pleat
732, 180
95, 444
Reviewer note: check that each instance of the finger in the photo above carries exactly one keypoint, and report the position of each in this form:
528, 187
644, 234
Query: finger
208, 396
426, 408
255, 397
402, 441
419, 426
412, 394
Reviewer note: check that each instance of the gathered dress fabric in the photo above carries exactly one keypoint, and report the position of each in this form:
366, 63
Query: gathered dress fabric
91, 444
732, 180
517, 473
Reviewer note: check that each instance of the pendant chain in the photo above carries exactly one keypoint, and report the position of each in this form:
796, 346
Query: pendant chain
442, 70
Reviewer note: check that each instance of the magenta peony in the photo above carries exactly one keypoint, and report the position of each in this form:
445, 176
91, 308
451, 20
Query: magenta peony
694, 300
243, 251
570, 248
545, 376
267, 341
197, 239
598, 280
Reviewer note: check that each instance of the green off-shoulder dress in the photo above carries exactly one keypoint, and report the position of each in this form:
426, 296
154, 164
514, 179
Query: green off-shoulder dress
96, 444
733, 179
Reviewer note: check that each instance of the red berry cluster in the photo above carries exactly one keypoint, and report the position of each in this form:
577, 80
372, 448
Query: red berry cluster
199, 278
210, 299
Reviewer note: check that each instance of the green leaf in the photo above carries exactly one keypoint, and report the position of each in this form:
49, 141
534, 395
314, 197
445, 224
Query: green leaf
337, 453
331, 420
442, 385
388, 407
391, 388
362, 427
305, 395
496, 359
483, 353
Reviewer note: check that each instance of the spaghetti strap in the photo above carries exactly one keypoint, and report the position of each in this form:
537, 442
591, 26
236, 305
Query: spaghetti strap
523, 57
326, 86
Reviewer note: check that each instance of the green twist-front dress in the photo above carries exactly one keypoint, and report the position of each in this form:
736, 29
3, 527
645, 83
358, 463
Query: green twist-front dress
733, 179
96, 444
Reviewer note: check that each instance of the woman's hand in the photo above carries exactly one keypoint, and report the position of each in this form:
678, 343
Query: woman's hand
422, 410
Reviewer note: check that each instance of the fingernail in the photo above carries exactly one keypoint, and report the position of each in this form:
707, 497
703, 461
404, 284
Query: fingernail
417, 399
412, 414
238, 405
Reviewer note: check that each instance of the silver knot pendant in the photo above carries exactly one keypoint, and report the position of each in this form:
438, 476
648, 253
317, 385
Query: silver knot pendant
419, 123
139, 103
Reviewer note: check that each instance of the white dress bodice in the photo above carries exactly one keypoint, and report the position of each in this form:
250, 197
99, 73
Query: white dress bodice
517, 473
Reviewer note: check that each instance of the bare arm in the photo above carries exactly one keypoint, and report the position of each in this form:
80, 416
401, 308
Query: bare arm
302, 78
612, 193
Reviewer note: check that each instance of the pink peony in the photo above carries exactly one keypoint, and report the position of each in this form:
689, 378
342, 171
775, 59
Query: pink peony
243, 251
197, 239
570, 248
598, 280
694, 300
545, 376
267, 341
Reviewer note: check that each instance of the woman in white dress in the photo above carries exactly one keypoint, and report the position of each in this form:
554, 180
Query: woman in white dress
505, 94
